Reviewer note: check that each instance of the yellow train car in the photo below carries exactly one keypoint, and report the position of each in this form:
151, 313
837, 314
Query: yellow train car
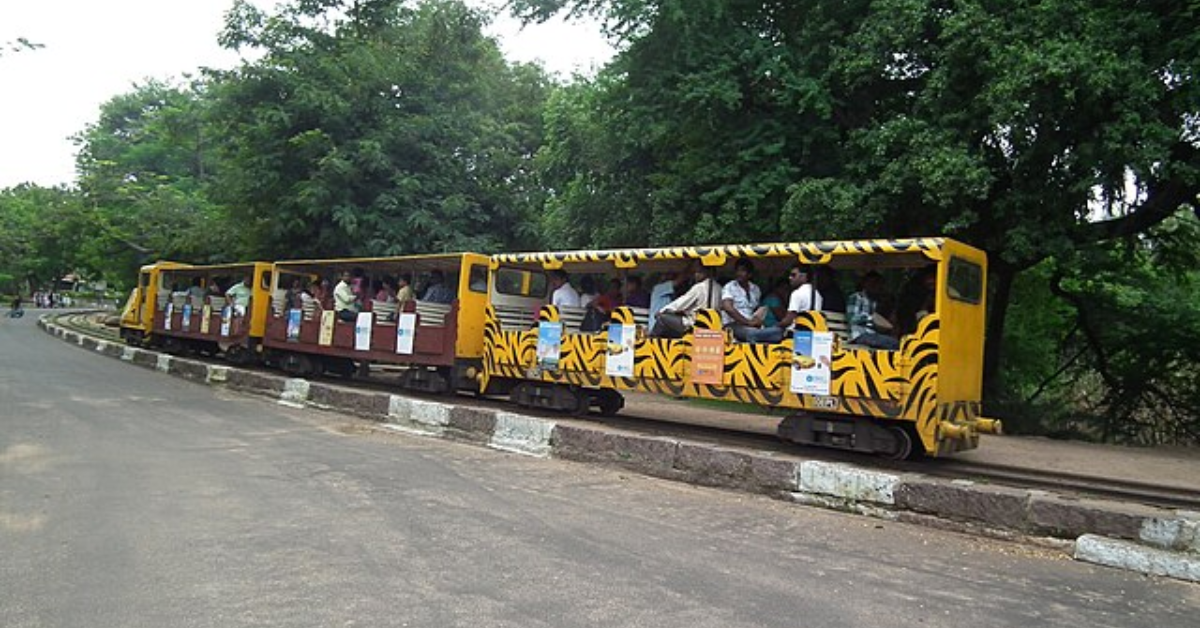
137, 318
921, 395
212, 309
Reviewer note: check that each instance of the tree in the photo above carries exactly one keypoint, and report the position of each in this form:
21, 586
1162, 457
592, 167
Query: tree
42, 231
143, 172
376, 127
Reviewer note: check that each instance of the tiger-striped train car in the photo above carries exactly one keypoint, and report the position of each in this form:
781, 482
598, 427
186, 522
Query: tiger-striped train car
921, 398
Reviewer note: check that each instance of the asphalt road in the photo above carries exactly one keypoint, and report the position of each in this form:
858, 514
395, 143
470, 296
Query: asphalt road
129, 498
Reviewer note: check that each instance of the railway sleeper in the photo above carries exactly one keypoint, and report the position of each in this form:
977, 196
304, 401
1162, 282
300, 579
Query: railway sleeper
893, 440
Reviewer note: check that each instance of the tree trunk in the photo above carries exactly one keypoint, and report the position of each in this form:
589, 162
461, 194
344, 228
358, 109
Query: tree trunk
1003, 274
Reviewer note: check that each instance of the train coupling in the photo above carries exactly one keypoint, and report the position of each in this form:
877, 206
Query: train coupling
970, 429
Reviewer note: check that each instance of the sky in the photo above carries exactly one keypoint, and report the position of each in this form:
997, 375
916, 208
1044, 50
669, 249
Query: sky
97, 49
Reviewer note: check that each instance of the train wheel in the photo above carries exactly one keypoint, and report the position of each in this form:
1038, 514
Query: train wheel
904, 443
609, 402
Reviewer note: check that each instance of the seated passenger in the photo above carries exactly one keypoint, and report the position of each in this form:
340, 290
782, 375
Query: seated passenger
774, 304
916, 299
197, 293
564, 295
405, 292
293, 300
238, 295
610, 299
344, 301
740, 310
635, 296
863, 317
831, 295
386, 293
438, 291
678, 316
587, 290
804, 297
664, 292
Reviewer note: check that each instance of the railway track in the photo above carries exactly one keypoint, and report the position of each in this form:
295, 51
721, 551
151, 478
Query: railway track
1064, 483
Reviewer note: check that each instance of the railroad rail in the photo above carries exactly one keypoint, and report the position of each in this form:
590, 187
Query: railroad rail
1061, 482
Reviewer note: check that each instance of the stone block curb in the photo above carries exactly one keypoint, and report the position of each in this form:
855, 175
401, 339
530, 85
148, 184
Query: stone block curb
1129, 536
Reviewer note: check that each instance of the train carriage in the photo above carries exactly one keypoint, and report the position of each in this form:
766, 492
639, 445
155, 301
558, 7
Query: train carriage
137, 317
922, 397
194, 309
438, 341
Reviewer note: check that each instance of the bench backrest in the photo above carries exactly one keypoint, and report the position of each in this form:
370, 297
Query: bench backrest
432, 314
385, 312
515, 317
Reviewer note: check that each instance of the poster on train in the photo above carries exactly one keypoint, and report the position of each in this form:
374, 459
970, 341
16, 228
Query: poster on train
226, 319
328, 320
708, 357
549, 345
185, 322
812, 362
293, 325
167, 316
406, 327
362, 331
205, 314
619, 352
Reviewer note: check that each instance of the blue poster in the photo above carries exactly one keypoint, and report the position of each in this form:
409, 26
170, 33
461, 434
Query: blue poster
812, 362
226, 314
293, 325
549, 345
619, 352
186, 323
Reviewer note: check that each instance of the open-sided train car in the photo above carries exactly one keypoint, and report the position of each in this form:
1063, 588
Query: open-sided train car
212, 309
137, 318
439, 340
923, 397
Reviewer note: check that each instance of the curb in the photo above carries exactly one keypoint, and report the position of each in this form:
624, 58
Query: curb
1138, 538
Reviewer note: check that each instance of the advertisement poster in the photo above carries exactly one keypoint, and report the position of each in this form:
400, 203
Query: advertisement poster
549, 345
362, 331
406, 326
226, 319
185, 322
708, 357
205, 314
167, 316
293, 327
619, 353
812, 362
328, 320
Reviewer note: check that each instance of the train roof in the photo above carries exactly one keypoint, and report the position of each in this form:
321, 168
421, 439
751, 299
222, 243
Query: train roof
903, 252
435, 261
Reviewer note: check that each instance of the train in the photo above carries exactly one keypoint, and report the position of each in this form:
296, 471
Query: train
488, 325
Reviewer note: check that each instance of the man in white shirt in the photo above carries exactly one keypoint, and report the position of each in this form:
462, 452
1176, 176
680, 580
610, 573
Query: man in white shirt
564, 295
804, 297
344, 301
664, 292
678, 316
239, 295
739, 307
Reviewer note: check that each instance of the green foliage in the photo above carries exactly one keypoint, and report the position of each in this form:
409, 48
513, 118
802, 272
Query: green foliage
392, 128
43, 232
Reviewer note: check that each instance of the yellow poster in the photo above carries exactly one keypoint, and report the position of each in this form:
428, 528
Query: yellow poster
708, 357
328, 318
205, 314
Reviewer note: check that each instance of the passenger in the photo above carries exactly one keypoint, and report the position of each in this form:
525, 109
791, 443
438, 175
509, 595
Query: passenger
587, 290
610, 299
196, 292
293, 299
405, 292
360, 285
386, 293
831, 295
344, 301
564, 295
665, 291
635, 296
740, 310
916, 299
774, 304
239, 295
214, 289
804, 297
863, 317
438, 291
678, 316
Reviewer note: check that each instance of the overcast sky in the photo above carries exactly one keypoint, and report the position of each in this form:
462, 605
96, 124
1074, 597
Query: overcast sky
96, 49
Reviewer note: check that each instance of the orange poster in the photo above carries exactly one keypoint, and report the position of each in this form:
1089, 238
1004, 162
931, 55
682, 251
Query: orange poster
708, 357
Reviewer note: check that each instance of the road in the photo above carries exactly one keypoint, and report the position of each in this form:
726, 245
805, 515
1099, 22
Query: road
129, 498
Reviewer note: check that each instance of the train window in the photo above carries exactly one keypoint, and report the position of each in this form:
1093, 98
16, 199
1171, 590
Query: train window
965, 282
520, 283
265, 284
478, 278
